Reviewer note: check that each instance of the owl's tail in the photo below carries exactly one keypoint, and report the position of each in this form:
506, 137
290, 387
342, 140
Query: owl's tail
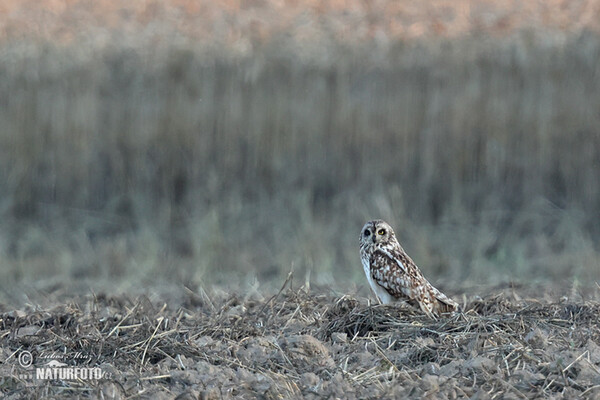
442, 303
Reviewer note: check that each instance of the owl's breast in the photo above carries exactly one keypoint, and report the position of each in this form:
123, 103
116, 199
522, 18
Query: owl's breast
384, 296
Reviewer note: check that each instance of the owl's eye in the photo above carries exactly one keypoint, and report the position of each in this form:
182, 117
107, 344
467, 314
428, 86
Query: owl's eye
367, 232
381, 232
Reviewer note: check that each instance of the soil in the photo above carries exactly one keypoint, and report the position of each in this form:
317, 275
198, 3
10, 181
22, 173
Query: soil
304, 344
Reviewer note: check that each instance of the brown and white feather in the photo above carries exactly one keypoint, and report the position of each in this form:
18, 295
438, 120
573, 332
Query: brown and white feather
394, 276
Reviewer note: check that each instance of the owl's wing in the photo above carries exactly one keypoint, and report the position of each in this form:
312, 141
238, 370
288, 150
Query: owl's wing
396, 272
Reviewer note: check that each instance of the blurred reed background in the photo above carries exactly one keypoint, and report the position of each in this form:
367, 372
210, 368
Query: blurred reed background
142, 152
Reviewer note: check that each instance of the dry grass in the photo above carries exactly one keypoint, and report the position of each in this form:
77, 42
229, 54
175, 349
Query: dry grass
311, 344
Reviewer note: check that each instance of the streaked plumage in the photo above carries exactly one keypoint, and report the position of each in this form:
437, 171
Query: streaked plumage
394, 276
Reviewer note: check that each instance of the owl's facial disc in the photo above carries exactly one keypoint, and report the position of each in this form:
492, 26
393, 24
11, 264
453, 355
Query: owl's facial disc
376, 231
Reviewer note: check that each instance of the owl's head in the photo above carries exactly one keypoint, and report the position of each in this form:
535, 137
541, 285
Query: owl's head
377, 232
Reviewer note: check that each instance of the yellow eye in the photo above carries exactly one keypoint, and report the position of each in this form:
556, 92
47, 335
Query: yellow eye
381, 232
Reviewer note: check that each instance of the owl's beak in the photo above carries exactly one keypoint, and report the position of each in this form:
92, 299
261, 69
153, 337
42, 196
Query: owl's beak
373, 237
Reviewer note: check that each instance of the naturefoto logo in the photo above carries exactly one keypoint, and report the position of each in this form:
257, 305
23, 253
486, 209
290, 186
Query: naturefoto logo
54, 369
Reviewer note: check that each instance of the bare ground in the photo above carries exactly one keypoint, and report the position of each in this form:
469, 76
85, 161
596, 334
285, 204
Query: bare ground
301, 343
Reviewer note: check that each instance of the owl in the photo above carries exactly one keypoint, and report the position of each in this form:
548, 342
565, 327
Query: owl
394, 276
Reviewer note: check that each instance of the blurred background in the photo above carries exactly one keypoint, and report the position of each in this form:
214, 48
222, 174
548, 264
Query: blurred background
227, 142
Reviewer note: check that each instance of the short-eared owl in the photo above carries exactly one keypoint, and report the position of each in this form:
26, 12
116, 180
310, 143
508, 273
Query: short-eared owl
393, 275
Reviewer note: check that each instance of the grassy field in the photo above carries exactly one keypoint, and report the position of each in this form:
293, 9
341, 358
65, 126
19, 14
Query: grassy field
124, 162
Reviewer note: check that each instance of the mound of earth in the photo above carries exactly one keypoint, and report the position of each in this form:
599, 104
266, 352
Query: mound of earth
301, 344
